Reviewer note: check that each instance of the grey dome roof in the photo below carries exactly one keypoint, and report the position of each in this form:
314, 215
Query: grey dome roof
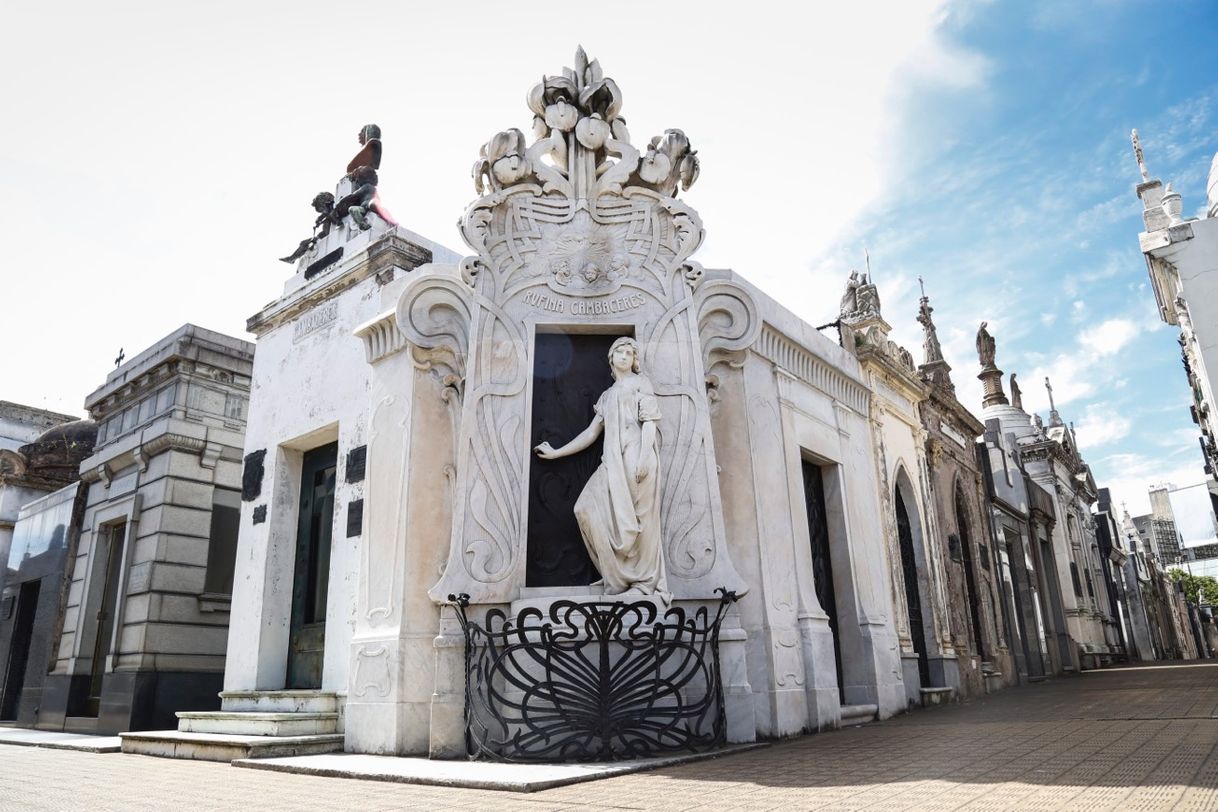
59, 450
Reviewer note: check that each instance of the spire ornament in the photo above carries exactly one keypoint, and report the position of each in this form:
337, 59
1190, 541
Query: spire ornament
934, 369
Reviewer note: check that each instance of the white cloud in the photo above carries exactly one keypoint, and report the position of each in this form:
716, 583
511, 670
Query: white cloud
1108, 337
1133, 474
1100, 425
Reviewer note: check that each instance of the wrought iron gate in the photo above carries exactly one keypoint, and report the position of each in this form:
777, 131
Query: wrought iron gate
592, 681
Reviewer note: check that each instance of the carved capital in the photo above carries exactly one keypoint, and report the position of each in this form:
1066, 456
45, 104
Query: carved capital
728, 321
434, 314
381, 337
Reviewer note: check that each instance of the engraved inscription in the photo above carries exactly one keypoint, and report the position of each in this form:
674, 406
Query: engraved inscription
604, 307
315, 319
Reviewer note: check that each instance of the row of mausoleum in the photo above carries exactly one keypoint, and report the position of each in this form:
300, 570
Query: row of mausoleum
445, 499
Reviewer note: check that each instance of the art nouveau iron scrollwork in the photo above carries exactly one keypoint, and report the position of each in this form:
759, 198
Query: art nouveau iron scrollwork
592, 681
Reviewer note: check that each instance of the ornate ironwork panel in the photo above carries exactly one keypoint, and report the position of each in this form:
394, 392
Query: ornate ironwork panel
592, 681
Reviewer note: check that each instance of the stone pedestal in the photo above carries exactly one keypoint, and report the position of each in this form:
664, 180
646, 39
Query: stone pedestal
991, 381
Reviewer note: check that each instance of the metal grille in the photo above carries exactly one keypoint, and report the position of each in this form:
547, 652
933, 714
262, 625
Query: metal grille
592, 681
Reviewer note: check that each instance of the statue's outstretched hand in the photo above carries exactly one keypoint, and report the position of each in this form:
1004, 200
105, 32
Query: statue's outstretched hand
544, 450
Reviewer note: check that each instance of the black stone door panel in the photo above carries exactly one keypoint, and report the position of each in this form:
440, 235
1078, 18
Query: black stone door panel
569, 373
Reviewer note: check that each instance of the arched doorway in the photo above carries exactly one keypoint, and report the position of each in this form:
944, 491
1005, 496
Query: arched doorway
970, 573
913, 597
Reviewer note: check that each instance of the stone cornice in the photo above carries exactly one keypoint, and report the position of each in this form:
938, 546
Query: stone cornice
896, 375
140, 455
390, 251
946, 403
807, 367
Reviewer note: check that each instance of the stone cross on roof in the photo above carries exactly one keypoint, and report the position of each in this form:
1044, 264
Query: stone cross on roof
1055, 419
1137, 154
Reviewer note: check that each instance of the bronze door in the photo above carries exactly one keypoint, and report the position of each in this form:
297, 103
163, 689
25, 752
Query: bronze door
569, 373
822, 564
115, 538
311, 581
970, 575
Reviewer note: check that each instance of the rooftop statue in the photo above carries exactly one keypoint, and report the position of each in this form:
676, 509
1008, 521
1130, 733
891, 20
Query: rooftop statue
323, 204
850, 299
619, 509
363, 200
361, 172
985, 346
370, 139
1016, 393
862, 298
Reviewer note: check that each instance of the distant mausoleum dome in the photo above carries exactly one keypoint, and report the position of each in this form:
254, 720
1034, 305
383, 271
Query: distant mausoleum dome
58, 451
1211, 188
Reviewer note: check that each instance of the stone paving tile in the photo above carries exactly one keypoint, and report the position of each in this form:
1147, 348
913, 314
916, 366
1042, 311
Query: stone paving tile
1127, 739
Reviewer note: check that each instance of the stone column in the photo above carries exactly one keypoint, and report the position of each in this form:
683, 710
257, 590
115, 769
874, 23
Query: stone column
405, 540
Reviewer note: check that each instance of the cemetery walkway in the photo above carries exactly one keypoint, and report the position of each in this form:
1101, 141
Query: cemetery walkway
1124, 738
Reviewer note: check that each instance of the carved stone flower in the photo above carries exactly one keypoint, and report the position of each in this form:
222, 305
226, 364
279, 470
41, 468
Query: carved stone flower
553, 101
602, 97
669, 160
655, 166
506, 154
503, 160
592, 131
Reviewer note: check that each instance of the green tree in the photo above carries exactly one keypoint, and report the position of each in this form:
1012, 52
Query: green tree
1196, 586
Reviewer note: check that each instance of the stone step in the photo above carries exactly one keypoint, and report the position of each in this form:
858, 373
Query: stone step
937, 696
255, 723
226, 746
280, 701
854, 715
80, 724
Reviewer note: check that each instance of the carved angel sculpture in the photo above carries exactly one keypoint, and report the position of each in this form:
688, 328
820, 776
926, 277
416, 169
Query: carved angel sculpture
619, 509
323, 204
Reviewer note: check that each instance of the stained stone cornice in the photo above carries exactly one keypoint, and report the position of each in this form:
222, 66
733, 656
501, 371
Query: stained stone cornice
390, 251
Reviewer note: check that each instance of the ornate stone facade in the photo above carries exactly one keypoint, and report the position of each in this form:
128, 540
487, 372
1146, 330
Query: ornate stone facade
957, 492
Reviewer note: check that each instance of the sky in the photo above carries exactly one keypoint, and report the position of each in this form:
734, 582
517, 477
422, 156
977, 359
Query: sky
159, 157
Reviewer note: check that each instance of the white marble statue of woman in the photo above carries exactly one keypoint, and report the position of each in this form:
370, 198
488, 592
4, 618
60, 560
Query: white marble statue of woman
619, 509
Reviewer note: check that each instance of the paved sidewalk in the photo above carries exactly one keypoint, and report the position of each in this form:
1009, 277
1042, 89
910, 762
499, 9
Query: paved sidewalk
60, 741
1129, 738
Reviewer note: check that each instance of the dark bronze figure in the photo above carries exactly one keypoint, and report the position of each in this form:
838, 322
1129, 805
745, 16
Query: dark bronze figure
361, 200
370, 155
323, 204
